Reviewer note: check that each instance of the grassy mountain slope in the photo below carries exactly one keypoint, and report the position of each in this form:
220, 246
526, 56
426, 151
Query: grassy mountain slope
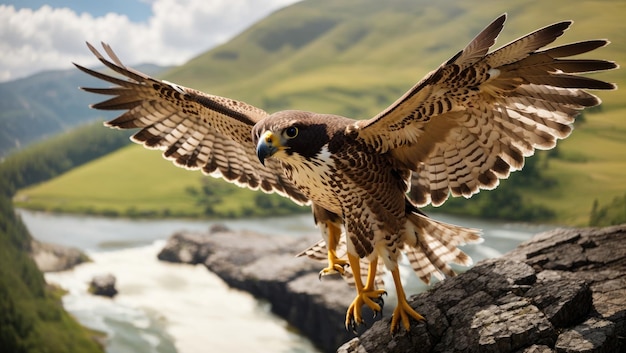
141, 184
356, 57
306, 54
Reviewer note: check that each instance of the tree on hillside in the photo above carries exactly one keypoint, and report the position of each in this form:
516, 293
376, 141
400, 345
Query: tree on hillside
612, 213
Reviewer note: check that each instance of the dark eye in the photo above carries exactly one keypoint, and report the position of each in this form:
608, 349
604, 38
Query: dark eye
291, 132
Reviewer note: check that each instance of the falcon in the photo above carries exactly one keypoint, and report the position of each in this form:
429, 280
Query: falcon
462, 128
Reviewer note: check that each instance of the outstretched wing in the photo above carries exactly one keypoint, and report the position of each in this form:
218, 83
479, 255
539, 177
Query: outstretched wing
474, 119
193, 129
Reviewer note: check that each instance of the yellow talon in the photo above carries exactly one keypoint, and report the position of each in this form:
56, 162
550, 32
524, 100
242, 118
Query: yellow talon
353, 315
367, 294
403, 311
335, 264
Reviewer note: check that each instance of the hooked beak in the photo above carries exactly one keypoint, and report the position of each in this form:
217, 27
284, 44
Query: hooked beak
268, 145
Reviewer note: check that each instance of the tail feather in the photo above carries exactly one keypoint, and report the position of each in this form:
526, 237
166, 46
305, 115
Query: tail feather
446, 233
317, 251
430, 246
421, 264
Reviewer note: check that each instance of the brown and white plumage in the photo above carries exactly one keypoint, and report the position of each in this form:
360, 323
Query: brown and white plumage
194, 130
474, 119
461, 129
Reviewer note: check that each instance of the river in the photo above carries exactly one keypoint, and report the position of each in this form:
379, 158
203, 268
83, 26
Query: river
166, 308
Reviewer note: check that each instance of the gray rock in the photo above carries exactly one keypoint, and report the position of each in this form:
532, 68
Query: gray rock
103, 285
187, 248
562, 291
54, 257
563, 301
536, 348
509, 325
218, 228
592, 336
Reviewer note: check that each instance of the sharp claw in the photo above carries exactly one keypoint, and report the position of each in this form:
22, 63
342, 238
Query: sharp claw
376, 314
381, 302
326, 272
332, 269
351, 326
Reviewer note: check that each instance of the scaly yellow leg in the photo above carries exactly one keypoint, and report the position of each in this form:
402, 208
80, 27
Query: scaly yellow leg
364, 294
335, 264
403, 310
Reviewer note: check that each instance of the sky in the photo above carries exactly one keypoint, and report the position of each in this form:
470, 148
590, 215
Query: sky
43, 35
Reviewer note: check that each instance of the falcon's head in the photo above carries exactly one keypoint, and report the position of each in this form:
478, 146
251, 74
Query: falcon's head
291, 133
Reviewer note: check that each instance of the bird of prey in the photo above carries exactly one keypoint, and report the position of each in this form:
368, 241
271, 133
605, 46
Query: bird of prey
462, 128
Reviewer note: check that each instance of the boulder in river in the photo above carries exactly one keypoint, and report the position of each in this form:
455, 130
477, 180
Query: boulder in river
103, 285
53, 257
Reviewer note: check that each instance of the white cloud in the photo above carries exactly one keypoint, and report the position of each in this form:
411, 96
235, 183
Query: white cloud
52, 38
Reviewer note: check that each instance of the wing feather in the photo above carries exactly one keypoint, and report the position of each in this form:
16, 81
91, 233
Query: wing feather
194, 130
474, 119
480, 45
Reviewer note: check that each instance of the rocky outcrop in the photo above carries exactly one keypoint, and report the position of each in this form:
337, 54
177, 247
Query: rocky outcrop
53, 257
103, 285
562, 291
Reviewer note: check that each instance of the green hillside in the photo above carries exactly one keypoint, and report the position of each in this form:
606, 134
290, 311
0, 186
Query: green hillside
136, 182
354, 58
33, 319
